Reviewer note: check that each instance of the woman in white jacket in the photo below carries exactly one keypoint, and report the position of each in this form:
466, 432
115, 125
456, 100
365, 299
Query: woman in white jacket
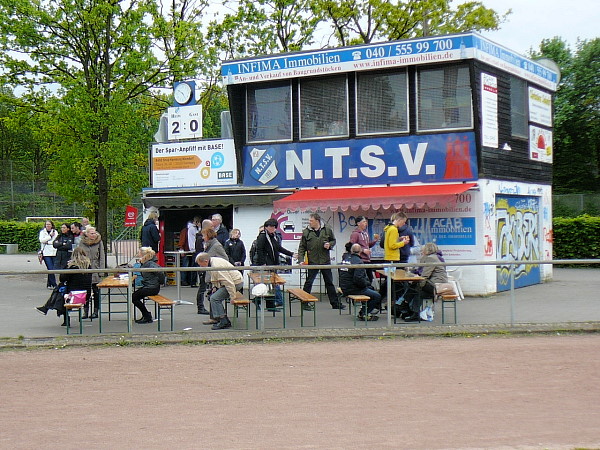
47, 236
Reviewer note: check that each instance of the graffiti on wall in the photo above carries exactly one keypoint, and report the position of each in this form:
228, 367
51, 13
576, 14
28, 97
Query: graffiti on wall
518, 239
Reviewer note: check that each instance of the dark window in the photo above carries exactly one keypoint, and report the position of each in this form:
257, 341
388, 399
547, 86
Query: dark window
269, 113
381, 103
518, 107
323, 107
444, 99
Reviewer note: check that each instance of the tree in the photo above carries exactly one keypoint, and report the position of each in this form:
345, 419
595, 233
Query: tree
577, 115
365, 21
97, 58
260, 27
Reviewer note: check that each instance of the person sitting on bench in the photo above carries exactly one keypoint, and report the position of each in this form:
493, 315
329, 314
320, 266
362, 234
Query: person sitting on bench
224, 283
356, 282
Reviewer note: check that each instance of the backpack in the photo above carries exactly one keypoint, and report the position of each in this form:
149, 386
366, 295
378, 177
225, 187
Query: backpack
382, 239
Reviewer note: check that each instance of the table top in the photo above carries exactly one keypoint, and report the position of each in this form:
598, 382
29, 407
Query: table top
112, 282
401, 275
267, 278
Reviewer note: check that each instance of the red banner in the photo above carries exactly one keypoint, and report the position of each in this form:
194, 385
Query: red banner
131, 216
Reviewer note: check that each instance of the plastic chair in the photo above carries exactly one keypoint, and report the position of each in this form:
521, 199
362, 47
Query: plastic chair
454, 276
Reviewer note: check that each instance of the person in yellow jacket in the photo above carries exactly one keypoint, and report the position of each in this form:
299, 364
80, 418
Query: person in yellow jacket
392, 242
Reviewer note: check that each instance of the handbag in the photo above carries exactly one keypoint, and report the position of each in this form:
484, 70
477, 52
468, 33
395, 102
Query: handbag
41, 254
76, 297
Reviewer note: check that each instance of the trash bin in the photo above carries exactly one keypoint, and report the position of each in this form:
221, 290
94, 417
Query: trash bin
12, 249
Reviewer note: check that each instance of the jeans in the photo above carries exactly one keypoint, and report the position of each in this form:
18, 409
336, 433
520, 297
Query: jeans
327, 278
49, 260
216, 301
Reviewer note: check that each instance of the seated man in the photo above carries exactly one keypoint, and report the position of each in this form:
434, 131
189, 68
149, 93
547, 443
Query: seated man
356, 282
224, 283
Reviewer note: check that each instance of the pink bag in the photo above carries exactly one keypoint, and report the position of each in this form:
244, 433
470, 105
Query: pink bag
76, 297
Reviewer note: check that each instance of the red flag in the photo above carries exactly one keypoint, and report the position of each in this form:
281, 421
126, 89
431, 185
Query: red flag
131, 216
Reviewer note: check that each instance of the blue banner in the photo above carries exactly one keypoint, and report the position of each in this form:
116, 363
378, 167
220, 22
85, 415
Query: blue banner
394, 160
449, 231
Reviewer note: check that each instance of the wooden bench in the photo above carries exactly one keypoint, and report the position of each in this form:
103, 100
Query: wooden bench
240, 302
161, 302
357, 301
297, 294
445, 293
74, 307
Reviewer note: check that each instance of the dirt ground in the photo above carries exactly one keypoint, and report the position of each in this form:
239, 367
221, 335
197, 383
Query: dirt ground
422, 393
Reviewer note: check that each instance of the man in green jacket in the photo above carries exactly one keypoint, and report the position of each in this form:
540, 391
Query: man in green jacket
315, 245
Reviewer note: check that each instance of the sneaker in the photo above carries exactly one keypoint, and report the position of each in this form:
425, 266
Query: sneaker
372, 318
210, 322
413, 318
42, 310
223, 323
308, 306
144, 320
374, 311
338, 306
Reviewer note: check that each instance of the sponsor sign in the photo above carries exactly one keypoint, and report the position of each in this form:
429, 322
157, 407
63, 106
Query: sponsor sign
540, 144
540, 107
393, 160
194, 163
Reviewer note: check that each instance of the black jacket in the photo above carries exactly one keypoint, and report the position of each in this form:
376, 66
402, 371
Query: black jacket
406, 230
151, 280
268, 249
236, 251
150, 235
76, 281
64, 246
353, 281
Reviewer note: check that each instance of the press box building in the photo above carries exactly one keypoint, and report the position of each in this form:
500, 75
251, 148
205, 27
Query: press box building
454, 130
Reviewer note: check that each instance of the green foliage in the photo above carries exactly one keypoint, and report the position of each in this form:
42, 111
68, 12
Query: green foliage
364, 21
23, 233
576, 238
577, 115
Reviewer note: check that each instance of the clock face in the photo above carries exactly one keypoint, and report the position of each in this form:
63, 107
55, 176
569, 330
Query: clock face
182, 93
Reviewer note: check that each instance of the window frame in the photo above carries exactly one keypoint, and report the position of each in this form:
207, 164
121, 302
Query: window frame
400, 70
300, 115
284, 83
525, 115
418, 98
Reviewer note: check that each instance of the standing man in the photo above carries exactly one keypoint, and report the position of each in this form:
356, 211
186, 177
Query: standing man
77, 234
393, 241
268, 248
192, 230
316, 243
406, 230
360, 236
222, 233
225, 283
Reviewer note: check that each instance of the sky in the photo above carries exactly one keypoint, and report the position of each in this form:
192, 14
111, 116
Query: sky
532, 21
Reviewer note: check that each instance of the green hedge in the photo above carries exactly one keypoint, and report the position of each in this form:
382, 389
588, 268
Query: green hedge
576, 238
26, 234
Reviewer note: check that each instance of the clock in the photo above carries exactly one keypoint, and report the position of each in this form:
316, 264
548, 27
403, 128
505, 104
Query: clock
183, 92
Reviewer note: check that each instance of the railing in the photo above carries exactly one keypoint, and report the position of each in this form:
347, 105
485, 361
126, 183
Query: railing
590, 287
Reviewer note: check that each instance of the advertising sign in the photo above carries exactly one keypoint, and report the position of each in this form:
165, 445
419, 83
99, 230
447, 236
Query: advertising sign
540, 107
194, 163
540, 144
433, 49
404, 159
489, 110
131, 214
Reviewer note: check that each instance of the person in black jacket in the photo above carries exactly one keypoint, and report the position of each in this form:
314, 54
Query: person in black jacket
150, 283
64, 247
150, 234
235, 249
354, 281
71, 282
268, 247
